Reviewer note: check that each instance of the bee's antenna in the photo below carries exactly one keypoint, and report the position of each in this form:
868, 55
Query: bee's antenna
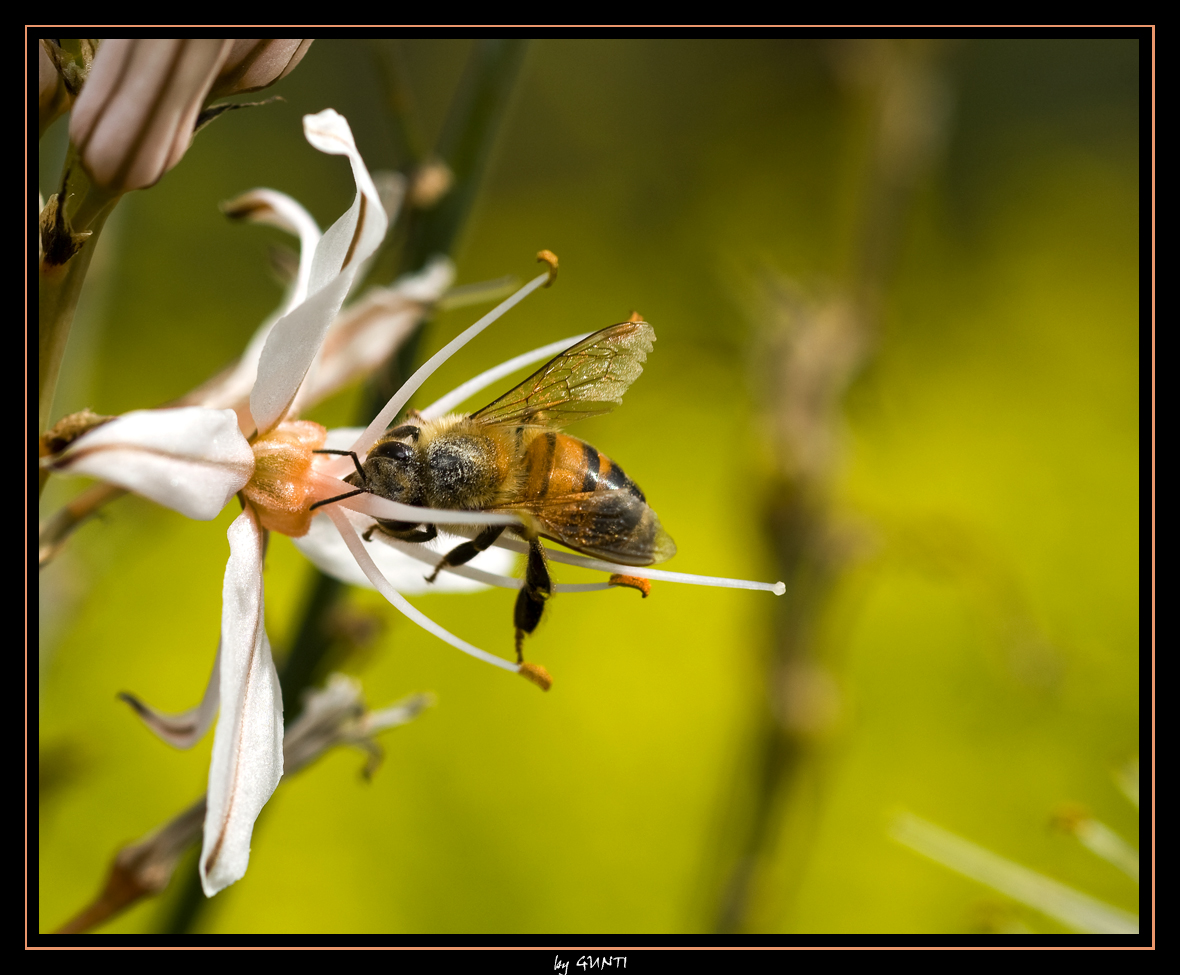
359, 470
339, 497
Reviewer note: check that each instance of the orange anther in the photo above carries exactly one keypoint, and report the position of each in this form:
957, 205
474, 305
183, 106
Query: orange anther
537, 674
632, 582
551, 259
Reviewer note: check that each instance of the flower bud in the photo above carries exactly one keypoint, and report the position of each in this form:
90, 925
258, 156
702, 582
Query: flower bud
135, 117
254, 64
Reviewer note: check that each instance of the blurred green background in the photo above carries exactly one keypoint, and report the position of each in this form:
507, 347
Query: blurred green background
976, 644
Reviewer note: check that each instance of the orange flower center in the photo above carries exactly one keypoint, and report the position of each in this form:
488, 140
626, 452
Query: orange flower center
285, 480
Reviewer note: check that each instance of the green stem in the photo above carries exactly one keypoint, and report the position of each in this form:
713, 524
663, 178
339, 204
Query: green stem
58, 289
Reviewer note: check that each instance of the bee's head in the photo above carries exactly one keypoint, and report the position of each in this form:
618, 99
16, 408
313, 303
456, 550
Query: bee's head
392, 469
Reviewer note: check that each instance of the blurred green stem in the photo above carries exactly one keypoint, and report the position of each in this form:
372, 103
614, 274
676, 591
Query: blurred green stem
760, 860
465, 145
62, 272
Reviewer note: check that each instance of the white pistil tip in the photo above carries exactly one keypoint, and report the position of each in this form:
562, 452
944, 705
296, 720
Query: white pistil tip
779, 588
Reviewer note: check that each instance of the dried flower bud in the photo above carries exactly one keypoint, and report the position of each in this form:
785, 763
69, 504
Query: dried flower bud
135, 117
53, 97
255, 64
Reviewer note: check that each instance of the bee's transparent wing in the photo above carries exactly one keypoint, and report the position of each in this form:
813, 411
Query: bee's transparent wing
612, 525
585, 380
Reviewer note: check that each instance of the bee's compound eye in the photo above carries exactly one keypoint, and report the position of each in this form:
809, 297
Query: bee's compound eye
393, 449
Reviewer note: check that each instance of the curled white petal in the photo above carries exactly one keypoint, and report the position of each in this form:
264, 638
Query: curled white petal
185, 729
248, 744
296, 337
232, 388
407, 574
277, 209
190, 459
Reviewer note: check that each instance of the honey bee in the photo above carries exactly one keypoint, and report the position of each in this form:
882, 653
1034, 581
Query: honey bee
511, 457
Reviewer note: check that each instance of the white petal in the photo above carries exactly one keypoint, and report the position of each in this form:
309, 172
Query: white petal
324, 546
185, 729
381, 584
191, 459
296, 337
248, 745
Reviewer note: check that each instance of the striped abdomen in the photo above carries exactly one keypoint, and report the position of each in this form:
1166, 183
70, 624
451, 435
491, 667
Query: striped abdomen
557, 464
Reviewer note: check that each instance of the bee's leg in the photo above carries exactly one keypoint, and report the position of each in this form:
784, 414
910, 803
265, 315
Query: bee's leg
403, 531
462, 554
530, 602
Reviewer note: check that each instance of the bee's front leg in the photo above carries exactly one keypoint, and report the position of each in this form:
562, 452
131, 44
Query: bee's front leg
530, 602
403, 531
462, 554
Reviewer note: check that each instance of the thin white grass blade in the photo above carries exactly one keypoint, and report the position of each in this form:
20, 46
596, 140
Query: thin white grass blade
1064, 904
1103, 841
1127, 778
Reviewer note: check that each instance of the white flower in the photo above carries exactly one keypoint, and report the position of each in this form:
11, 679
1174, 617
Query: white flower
280, 476
194, 459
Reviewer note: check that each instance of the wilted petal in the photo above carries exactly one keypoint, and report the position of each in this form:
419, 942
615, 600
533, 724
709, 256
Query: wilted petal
296, 337
185, 729
52, 97
135, 117
280, 210
191, 459
248, 745
231, 389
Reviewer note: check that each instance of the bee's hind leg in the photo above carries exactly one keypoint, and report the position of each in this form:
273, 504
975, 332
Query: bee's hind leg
462, 554
530, 602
